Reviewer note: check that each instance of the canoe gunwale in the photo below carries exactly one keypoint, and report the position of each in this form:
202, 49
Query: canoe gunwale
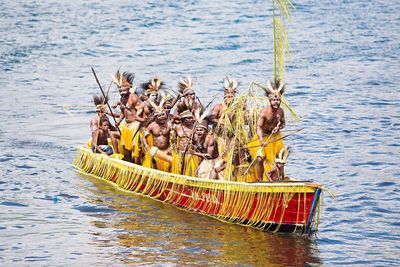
268, 206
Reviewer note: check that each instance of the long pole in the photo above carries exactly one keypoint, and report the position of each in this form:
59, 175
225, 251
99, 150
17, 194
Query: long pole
105, 98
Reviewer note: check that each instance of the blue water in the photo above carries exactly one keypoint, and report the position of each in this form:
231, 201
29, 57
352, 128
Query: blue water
343, 79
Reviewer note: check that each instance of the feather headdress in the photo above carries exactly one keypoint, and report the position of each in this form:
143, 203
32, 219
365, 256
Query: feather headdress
124, 81
282, 156
152, 86
99, 102
158, 108
276, 91
201, 118
185, 86
230, 86
185, 114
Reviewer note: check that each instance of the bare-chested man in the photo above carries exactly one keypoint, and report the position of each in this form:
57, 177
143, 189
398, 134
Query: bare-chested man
182, 135
100, 136
205, 147
268, 140
160, 148
152, 91
188, 97
278, 172
129, 120
101, 113
230, 88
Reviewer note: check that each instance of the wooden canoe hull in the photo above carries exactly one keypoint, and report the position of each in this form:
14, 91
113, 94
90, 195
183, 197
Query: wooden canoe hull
283, 207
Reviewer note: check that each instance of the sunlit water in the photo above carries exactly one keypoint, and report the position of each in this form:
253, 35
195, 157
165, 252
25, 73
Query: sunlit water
343, 79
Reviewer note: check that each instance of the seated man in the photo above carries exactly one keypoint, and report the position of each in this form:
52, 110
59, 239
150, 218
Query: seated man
101, 113
278, 173
205, 147
100, 136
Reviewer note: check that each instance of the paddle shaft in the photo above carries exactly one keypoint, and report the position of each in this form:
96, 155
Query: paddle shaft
105, 98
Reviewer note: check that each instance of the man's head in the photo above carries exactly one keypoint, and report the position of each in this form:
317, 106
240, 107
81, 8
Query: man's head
185, 88
104, 124
167, 106
153, 96
161, 117
101, 109
280, 160
152, 88
201, 129
124, 92
191, 95
187, 118
124, 82
230, 89
274, 93
99, 102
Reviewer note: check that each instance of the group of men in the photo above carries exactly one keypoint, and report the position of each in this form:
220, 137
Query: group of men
149, 130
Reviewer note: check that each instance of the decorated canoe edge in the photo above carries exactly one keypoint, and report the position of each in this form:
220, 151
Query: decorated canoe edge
105, 168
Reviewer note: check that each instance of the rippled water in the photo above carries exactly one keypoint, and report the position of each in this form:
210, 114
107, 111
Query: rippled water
343, 79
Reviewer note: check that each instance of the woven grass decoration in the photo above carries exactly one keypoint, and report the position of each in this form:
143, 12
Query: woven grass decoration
254, 205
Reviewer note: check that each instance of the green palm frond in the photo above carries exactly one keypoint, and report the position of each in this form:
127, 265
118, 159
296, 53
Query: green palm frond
281, 14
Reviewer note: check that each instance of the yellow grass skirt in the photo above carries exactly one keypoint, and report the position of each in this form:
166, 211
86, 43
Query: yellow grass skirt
128, 140
190, 164
268, 152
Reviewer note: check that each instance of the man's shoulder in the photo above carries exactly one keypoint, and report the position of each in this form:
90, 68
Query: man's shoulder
265, 110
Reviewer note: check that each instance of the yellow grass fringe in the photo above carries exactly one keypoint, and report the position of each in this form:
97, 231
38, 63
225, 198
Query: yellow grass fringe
238, 197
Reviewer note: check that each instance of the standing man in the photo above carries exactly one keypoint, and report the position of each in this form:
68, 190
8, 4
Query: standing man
230, 89
182, 135
159, 130
268, 140
129, 120
188, 97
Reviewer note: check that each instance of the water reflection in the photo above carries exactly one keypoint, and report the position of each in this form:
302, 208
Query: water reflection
145, 231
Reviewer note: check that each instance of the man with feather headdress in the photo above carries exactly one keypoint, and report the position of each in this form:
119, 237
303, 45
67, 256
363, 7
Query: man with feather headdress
129, 120
152, 90
156, 139
182, 136
101, 114
230, 89
268, 141
205, 147
187, 99
278, 172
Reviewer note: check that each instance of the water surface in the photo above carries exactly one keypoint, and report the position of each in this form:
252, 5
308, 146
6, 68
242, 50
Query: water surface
342, 79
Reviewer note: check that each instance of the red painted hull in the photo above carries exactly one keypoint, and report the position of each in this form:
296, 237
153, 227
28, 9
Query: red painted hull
288, 206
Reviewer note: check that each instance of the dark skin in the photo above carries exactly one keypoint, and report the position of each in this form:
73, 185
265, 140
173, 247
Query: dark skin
160, 130
219, 109
128, 104
205, 147
187, 103
271, 120
100, 136
277, 173
114, 134
184, 131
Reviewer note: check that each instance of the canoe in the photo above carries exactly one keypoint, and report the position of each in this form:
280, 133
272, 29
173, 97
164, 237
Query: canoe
290, 206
